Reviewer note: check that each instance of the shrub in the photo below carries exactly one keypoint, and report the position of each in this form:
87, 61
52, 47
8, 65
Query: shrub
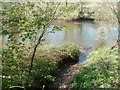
101, 72
15, 72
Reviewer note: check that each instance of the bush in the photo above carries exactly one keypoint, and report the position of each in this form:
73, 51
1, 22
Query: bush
46, 62
101, 72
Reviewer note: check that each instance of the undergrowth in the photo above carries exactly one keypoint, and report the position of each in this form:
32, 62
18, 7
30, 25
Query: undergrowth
100, 72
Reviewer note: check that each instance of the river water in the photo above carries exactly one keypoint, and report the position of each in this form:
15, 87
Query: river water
85, 34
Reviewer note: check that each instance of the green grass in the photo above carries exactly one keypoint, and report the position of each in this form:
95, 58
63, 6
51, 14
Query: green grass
100, 72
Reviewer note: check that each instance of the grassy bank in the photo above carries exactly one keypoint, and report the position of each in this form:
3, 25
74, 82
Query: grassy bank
100, 72
46, 63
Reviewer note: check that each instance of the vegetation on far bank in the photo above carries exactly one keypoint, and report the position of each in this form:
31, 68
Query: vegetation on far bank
47, 61
100, 72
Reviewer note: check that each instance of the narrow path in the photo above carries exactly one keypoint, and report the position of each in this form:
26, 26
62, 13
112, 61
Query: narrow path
65, 76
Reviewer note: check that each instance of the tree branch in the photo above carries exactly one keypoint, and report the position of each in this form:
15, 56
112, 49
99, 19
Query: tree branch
39, 41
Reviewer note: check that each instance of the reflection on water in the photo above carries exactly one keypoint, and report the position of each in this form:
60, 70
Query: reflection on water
80, 33
83, 34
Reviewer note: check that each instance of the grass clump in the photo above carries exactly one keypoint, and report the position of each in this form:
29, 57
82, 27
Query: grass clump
100, 72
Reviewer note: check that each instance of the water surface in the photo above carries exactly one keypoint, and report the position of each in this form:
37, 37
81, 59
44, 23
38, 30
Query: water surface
82, 34
85, 34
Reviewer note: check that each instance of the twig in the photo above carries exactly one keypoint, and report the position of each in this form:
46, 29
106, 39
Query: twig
39, 41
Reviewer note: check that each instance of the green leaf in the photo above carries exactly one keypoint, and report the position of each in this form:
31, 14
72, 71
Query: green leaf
23, 39
5, 32
43, 40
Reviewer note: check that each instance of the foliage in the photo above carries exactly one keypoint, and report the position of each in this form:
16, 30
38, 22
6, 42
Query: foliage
106, 12
65, 54
22, 22
101, 72
71, 10
45, 67
42, 72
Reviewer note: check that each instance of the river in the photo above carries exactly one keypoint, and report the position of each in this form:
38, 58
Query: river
84, 34
87, 35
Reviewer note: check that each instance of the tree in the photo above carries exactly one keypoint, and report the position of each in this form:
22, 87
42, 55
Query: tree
107, 14
30, 21
106, 11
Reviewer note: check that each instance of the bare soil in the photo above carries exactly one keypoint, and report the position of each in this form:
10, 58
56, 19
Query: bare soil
65, 75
